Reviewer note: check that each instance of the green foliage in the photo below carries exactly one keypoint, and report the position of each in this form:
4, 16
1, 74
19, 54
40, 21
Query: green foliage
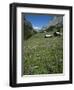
43, 55
51, 28
54, 29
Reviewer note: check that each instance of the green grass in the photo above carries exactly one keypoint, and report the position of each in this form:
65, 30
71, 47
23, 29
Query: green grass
43, 55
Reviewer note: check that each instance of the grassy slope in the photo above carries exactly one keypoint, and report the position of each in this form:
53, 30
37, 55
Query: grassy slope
43, 55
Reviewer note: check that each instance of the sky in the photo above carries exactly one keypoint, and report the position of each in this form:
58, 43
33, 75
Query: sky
38, 21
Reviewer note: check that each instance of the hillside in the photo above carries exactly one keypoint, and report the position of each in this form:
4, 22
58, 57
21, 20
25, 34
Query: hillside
54, 25
43, 55
58, 20
28, 29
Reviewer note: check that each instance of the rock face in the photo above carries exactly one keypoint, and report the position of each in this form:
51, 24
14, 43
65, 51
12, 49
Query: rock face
55, 23
57, 20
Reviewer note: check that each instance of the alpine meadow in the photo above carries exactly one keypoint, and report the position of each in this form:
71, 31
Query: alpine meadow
42, 44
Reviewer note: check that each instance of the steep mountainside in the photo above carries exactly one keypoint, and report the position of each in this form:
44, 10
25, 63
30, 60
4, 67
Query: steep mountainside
57, 20
55, 25
28, 29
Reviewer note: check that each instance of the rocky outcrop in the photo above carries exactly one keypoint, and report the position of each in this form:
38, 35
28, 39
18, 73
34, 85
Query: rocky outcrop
57, 20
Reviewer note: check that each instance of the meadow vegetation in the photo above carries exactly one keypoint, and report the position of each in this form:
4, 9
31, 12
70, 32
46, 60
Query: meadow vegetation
42, 55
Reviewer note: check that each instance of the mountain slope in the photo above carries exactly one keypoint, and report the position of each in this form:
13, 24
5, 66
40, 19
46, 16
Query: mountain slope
57, 20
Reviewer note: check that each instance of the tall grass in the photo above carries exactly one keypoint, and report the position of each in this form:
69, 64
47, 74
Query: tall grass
43, 55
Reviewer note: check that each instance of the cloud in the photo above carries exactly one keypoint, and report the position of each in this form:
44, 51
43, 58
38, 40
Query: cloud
37, 28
